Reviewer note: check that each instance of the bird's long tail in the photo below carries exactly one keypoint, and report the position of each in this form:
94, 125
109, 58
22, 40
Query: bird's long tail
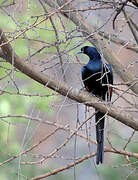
99, 119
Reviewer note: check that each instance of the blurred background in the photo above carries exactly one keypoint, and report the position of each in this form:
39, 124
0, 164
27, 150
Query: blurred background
34, 120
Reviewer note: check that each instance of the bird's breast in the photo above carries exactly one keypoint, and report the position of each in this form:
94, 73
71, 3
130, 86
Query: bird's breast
92, 78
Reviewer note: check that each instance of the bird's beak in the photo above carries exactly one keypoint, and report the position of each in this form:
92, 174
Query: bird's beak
79, 52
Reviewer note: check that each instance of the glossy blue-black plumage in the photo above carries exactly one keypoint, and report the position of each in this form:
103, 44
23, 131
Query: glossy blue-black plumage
96, 76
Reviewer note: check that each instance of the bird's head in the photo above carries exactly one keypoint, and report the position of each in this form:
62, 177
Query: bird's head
90, 51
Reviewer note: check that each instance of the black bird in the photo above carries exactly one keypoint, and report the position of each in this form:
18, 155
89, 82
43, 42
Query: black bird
96, 76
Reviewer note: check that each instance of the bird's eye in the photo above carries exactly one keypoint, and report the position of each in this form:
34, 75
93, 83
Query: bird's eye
82, 50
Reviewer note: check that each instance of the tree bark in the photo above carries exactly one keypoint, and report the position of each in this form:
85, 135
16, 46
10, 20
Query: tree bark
62, 88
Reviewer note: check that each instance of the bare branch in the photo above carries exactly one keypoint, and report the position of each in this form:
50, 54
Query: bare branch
130, 26
64, 168
101, 45
71, 165
118, 41
64, 89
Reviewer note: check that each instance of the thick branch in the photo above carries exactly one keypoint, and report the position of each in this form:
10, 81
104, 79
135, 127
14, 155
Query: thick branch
114, 39
62, 88
118, 41
99, 43
130, 26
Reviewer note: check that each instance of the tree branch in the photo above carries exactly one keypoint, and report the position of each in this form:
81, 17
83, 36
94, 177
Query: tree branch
84, 158
1, 54
62, 88
130, 26
101, 45
116, 40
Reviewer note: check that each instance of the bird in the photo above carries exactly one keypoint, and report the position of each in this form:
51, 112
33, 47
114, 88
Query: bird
97, 78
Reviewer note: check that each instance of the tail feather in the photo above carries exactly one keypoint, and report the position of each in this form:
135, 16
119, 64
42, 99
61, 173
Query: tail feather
99, 119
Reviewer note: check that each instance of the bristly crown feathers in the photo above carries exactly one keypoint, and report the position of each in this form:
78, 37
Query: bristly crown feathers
91, 52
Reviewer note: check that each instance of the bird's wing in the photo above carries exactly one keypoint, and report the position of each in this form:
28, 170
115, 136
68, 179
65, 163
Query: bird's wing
84, 74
